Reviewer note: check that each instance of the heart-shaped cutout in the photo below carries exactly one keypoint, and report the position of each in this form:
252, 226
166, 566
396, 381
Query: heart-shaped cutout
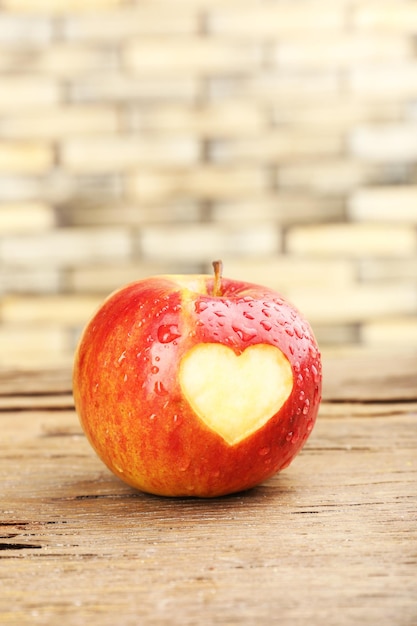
235, 395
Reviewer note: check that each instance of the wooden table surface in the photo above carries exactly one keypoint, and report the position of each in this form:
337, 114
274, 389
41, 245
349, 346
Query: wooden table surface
332, 540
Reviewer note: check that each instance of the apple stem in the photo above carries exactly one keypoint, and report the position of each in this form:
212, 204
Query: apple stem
217, 284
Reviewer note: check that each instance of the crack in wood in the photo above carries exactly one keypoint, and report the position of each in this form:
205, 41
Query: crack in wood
19, 546
40, 407
61, 433
393, 400
35, 394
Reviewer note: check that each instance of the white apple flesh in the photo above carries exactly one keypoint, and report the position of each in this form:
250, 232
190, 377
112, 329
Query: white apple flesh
235, 394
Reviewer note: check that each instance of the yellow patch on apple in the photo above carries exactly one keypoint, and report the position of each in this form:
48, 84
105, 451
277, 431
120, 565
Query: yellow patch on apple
235, 394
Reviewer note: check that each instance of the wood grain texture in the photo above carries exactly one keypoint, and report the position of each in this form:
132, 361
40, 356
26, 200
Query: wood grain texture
332, 539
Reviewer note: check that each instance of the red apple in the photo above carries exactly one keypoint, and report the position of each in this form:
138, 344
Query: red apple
196, 385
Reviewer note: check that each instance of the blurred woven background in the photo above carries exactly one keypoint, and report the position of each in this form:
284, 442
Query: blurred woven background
140, 137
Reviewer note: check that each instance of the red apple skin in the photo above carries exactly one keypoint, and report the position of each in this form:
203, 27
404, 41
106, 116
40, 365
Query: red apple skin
129, 401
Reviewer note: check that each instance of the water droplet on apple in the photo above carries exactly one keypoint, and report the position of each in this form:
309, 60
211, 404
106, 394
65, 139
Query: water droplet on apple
310, 425
289, 330
313, 351
168, 332
219, 313
184, 465
295, 437
298, 332
248, 316
266, 312
245, 334
152, 416
121, 357
154, 369
159, 388
264, 451
300, 380
306, 407
200, 307
302, 395
315, 372
266, 325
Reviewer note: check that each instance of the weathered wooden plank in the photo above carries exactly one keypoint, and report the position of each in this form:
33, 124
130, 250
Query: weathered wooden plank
36, 381
339, 408
331, 539
36, 402
348, 375
370, 375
